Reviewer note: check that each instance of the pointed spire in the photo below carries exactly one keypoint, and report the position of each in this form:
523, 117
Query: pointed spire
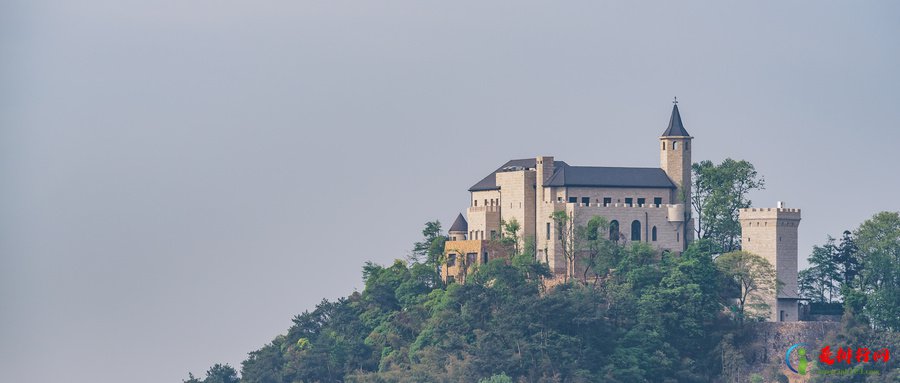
676, 127
459, 225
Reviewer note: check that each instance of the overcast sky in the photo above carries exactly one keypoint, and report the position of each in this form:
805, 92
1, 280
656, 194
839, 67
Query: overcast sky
181, 178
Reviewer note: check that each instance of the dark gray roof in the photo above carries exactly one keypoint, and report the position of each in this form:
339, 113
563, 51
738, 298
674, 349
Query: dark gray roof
592, 176
676, 127
490, 182
460, 224
599, 176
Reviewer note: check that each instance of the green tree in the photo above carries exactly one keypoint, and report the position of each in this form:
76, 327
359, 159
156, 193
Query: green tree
847, 259
756, 278
821, 281
509, 237
430, 249
876, 290
566, 233
718, 191
221, 373
499, 378
599, 253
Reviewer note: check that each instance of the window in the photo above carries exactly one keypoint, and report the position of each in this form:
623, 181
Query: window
636, 230
586, 200
607, 201
642, 201
674, 145
558, 199
451, 259
470, 258
614, 230
687, 145
629, 201
573, 199
664, 145
484, 258
450, 279
653, 234
493, 234
657, 201
548, 230
476, 202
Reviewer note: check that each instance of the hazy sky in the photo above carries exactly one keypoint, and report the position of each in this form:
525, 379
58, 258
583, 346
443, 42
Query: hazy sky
181, 178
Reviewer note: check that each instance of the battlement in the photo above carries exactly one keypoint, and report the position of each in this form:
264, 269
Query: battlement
488, 209
768, 213
613, 205
769, 209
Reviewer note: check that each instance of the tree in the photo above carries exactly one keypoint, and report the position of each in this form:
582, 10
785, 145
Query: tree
756, 278
846, 258
509, 236
431, 249
718, 192
221, 373
566, 232
600, 253
876, 290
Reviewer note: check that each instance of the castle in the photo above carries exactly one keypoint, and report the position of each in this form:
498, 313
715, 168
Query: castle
650, 205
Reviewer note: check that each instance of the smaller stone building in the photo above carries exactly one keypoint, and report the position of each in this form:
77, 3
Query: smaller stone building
772, 234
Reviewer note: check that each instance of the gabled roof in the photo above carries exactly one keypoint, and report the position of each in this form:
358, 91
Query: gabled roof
490, 182
601, 176
590, 176
459, 225
676, 127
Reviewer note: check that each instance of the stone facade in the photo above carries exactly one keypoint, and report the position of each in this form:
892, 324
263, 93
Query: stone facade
772, 234
650, 205
462, 257
654, 213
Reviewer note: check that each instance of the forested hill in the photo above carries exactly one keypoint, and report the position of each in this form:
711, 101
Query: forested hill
643, 316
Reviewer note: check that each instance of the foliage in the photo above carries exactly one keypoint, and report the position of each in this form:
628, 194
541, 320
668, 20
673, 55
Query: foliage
718, 191
875, 292
431, 249
570, 242
757, 280
833, 267
652, 317
218, 373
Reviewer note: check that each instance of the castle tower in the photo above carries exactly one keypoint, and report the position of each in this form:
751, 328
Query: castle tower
675, 160
772, 234
459, 229
675, 156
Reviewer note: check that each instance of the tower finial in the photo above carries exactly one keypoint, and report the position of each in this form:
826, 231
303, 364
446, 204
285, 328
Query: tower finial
675, 101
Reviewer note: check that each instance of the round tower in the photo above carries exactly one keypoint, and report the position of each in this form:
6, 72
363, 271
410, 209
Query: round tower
675, 160
459, 230
675, 156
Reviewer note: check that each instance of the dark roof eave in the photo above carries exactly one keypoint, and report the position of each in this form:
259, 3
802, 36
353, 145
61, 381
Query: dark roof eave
472, 189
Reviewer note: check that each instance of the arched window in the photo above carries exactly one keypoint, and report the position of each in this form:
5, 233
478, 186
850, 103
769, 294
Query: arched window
664, 145
653, 233
636, 230
674, 145
614, 230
